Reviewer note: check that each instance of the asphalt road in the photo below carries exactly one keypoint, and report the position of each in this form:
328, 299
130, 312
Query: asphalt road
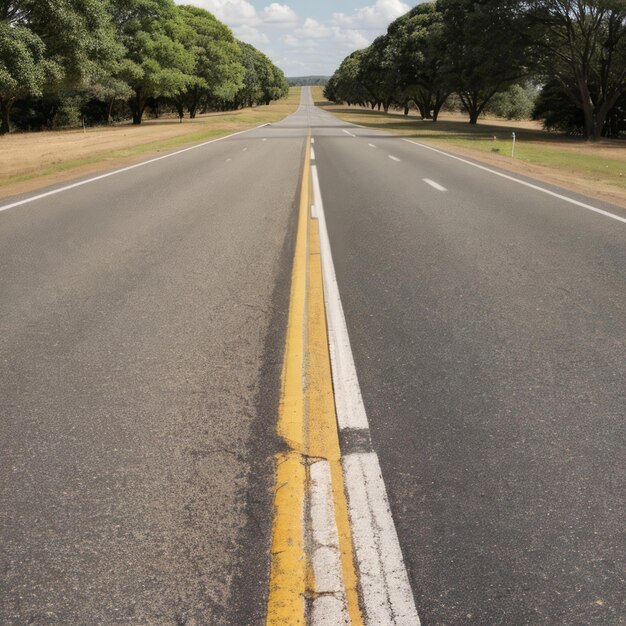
488, 324
142, 323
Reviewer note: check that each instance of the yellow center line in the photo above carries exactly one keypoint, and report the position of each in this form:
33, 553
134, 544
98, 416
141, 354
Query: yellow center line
288, 570
308, 424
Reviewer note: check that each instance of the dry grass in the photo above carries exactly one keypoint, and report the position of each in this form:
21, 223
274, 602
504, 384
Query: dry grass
31, 160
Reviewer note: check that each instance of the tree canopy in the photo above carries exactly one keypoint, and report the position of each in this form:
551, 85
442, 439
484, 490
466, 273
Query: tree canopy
135, 51
485, 49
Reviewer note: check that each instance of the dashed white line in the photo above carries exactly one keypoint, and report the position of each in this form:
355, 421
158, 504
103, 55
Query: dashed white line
347, 132
371, 145
433, 184
521, 182
228, 160
245, 150
312, 154
394, 158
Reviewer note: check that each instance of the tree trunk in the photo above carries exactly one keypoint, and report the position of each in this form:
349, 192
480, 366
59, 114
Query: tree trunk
407, 108
138, 106
180, 109
5, 109
440, 100
595, 120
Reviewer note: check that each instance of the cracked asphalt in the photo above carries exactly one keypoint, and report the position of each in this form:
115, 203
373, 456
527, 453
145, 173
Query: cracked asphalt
142, 323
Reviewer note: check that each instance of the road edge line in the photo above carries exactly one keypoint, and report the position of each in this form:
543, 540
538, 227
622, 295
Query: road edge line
122, 170
519, 181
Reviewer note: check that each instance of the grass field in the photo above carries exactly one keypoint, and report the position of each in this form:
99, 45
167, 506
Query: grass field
597, 169
30, 160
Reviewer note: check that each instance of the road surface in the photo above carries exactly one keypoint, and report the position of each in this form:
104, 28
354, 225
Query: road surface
143, 321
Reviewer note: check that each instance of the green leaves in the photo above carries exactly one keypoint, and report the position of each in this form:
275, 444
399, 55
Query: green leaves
22, 64
77, 50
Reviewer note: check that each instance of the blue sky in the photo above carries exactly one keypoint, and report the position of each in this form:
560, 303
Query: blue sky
305, 38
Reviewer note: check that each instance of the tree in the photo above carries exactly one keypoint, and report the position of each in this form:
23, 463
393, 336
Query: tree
346, 84
218, 72
23, 69
558, 112
158, 64
380, 72
49, 45
275, 85
485, 51
516, 103
582, 44
419, 48
263, 81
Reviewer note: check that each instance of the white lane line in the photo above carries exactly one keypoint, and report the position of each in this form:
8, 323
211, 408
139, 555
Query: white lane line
347, 132
387, 594
245, 150
350, 408
393, 158
522, 182
327, 611
228, 160
330, 607
325, 538
312, 154
371, 145
312, 140
433, 184
264, 138
122, 170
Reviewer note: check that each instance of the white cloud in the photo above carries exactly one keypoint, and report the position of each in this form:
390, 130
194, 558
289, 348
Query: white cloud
279, 14
314, 46
312, 29
351, 38
375, 16
251, 34
233, 12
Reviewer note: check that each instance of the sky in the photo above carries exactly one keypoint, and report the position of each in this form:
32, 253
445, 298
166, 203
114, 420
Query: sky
306, 38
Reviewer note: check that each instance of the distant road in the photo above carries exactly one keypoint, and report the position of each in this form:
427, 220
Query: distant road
142, 331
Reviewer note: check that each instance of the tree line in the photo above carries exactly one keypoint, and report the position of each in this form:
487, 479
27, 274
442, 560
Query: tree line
477, 50
64, 60
308, 81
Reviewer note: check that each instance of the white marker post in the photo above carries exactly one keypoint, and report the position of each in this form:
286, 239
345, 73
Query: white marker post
513, 149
